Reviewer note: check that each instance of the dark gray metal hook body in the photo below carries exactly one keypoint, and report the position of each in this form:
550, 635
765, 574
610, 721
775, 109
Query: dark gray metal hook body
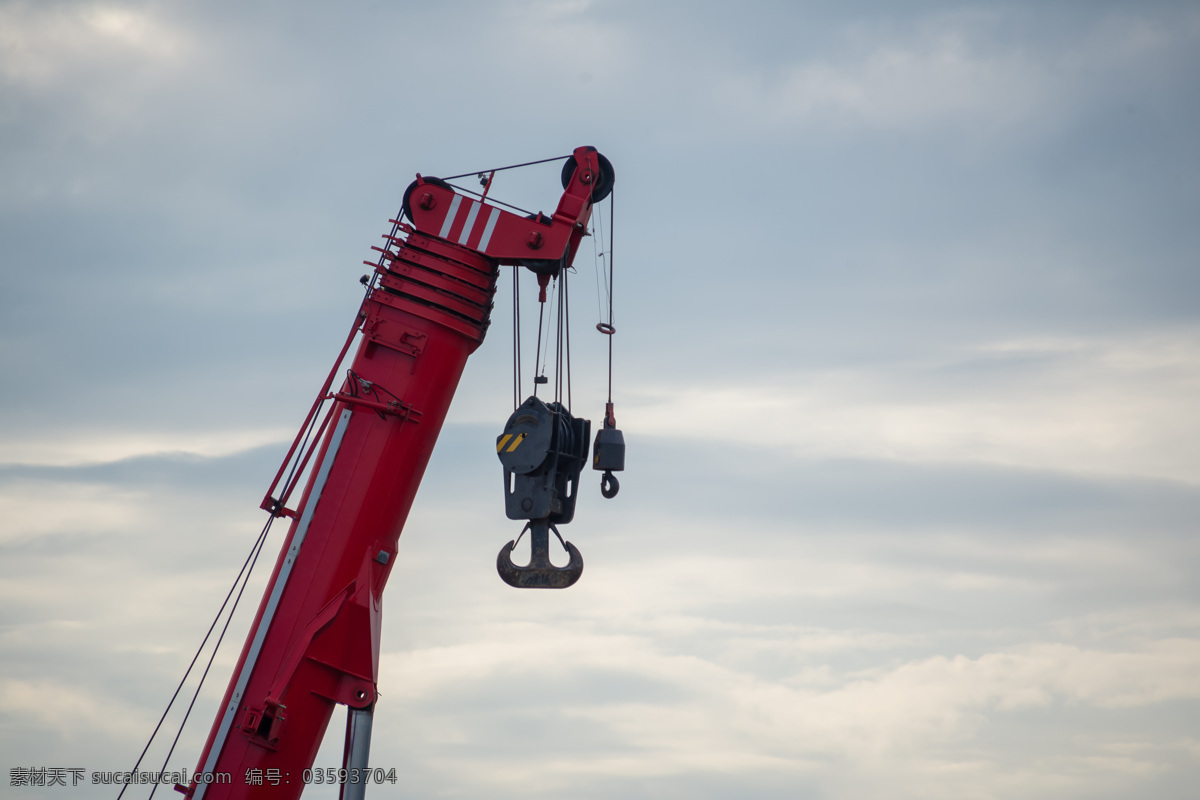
539, 573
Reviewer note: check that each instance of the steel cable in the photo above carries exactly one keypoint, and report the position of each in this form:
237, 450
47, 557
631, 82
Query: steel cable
248, 565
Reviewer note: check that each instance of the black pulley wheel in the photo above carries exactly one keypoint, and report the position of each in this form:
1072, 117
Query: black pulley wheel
406, 206
603, 184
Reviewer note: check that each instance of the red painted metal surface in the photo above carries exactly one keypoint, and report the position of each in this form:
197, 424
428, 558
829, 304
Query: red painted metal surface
502, 235
314, 642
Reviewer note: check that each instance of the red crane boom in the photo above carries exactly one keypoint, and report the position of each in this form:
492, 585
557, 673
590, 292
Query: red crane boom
314, 642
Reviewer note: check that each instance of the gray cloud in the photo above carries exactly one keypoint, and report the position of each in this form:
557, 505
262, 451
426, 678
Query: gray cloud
906, 362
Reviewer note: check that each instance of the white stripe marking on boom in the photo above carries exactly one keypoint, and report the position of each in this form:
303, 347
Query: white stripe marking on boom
450, 215
470, 223
487, 231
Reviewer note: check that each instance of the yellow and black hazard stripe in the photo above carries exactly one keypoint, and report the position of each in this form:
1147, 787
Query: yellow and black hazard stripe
503, 440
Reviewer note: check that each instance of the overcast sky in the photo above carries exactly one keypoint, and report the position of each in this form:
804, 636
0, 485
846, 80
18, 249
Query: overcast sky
908, 361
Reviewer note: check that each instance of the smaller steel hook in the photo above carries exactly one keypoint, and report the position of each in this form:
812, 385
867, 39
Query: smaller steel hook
609, 485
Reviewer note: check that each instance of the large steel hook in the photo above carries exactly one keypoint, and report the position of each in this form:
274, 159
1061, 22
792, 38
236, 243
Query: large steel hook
539, 573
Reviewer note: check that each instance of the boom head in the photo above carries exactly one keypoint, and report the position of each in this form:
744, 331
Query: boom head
543, 243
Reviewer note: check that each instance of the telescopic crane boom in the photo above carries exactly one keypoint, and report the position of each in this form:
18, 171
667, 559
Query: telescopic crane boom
314, 641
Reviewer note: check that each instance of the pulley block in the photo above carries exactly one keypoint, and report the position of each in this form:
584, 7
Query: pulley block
542, 450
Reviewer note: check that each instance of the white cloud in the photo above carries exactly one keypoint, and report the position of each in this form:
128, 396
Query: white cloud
80, 447
942, 81
565, 43
31, 508
1100, 406
69, 710
865, 655
952, 71
44, 43
887, 720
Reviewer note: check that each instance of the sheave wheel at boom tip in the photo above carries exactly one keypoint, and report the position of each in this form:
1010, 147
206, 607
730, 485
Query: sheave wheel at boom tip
604, 183
406, 206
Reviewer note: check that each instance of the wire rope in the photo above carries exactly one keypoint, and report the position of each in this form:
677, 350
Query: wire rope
295, 460
567, 325
553, 293
601, 269
537, 359
465, 190
249, 561
256, 552
510, 166
611, 329
558, 344
516, 300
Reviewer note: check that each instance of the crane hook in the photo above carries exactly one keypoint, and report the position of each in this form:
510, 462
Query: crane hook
539, 573
609, 485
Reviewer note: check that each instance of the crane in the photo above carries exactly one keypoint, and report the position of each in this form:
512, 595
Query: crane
314, 640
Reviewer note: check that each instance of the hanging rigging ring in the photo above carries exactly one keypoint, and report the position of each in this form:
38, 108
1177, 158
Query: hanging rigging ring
605, 328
